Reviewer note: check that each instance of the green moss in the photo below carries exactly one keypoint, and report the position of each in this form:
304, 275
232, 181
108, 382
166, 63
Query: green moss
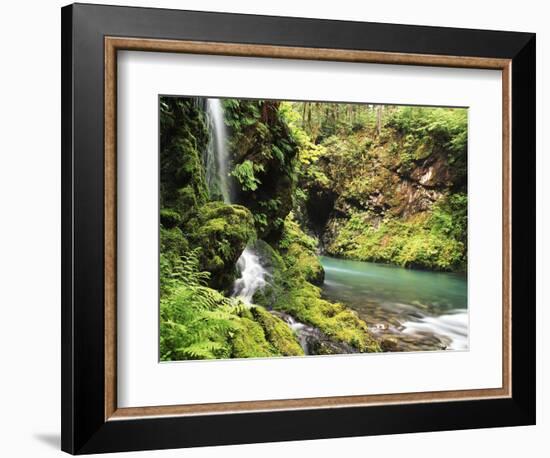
184, 136
433, 240
249, 341
277, 333
300, 251
173, 244
306, 262
263, 154
222, 232
274, 264
303, 301
300, 298
169, 217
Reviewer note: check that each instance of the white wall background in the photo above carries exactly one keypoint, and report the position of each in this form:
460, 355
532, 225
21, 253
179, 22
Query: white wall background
30, 228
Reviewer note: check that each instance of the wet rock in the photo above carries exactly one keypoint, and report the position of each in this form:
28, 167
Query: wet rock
389, 343
312, 340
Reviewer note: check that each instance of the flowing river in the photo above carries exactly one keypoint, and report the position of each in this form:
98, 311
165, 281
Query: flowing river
408, 310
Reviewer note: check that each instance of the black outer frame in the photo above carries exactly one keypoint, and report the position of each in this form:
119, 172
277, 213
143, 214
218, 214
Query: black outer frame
84, 429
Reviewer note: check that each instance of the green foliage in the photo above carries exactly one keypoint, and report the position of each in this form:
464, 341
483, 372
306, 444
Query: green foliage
250, 341
303, 301
277, 333
263, 152
169, 217
396, 179
293, 234
221, 232
308, 151
450, 217
322, 120
425, 128
433, 240
298, 296
445, 123
309, 154
183, 137
245, 175
196, 322
260, 220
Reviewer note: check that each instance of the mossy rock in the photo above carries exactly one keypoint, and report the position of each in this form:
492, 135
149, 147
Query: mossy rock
249, 341
184, 135
222, 232
172, 242
431, 240
299, 250
303, 301
277, 332
169, 217
307, 263
262, 145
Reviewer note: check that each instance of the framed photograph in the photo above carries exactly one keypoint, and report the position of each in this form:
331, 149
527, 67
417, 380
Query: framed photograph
281, 229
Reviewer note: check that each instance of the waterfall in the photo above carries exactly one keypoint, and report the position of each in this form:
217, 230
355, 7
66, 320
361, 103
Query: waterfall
217, 170
252, 274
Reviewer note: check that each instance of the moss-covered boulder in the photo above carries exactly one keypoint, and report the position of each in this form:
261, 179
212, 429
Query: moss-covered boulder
173, 243
222, 232
249, 341
300, 250
277, 332
294, 248
261, 334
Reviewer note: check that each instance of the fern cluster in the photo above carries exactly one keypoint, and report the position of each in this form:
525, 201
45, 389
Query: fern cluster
196, 322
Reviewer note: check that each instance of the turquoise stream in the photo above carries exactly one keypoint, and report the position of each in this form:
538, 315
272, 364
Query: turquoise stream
409, 310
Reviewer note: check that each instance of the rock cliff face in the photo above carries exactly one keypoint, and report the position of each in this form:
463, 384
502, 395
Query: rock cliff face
263, 158
391, 183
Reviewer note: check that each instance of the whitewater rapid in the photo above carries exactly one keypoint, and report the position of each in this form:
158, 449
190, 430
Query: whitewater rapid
253, 276
453, 326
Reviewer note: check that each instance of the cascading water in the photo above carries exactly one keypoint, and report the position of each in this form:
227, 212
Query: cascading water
217, 158
252, 274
